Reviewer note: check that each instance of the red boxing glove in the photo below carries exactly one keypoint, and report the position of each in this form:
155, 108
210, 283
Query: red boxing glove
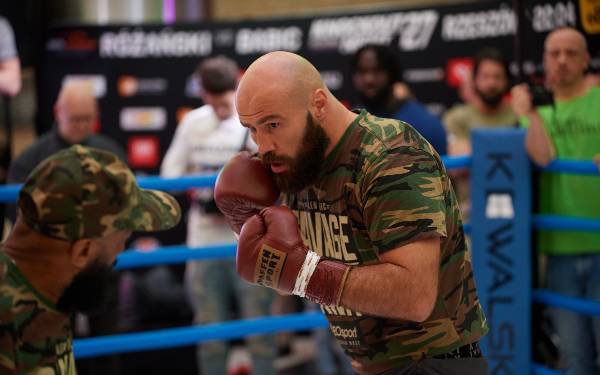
243, 188
270, 252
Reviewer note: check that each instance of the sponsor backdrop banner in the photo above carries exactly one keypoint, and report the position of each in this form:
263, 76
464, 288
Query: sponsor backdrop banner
142, 75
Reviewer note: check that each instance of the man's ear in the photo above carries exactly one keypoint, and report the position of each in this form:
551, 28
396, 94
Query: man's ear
318, 102
81, 253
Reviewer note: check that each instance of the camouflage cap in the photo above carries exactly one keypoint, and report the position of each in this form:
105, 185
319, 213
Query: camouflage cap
83, 192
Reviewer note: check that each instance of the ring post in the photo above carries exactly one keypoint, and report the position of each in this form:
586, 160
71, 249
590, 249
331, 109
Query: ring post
500, 217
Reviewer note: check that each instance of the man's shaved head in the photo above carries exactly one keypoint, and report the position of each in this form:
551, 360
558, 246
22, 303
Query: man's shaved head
565, 57
76, 93
574, 36
75, 111
284, 75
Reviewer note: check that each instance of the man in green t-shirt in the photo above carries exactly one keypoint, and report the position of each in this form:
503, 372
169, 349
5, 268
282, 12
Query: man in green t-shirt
76, 210
568, 129
370, 229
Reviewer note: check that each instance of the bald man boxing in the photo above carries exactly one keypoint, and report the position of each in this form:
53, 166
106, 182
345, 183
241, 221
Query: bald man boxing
369, 227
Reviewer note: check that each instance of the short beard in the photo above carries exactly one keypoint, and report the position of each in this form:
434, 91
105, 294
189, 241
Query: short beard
89, 291
304, 168
490, 100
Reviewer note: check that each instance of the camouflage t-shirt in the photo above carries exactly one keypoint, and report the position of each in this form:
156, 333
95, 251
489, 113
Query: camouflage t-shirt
383, 186
35, 338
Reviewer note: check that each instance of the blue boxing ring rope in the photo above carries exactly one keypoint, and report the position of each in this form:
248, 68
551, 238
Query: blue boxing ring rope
500, 241
173, 337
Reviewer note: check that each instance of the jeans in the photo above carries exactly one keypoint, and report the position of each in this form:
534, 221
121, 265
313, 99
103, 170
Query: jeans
212, 285
327, 351
576, 276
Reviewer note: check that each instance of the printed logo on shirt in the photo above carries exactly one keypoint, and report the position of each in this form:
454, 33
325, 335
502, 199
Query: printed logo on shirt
143, 151
339, 311
576, 126
347, 335
143, 118
327, 234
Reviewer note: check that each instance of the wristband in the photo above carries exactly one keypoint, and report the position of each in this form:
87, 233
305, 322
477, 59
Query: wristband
327, 282
306, 271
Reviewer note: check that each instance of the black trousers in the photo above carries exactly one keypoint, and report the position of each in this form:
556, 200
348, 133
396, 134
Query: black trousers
459, 366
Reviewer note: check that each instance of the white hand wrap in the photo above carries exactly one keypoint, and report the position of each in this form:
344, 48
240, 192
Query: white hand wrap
308, 268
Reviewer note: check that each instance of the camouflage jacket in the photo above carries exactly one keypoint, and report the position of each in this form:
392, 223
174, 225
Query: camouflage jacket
35, 338
382, 187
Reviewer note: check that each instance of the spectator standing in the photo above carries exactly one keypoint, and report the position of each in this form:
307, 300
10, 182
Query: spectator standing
491, 82
204, 141
567, 129
375, 74
486, 108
